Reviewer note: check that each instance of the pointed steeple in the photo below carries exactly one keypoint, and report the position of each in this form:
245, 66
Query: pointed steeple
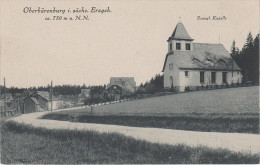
180, 33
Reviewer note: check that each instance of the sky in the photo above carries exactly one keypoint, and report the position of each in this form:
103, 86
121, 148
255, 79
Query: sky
129, 41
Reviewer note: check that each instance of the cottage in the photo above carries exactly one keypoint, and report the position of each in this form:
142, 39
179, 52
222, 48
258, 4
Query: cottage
7, 97
189, 64
119, 86
127, 84
85, 92
40, 101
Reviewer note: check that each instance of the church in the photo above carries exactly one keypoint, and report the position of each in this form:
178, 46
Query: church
191, 65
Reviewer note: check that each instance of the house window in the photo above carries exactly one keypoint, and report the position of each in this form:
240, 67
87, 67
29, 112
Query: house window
178, 46
170, 46
187, 46
171, 66
224, 77
201, 77
213, 77
186, 74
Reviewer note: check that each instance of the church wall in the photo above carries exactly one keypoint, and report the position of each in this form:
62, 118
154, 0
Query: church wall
174, 73
193, 79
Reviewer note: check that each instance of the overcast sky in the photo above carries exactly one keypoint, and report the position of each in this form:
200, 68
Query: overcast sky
129, 41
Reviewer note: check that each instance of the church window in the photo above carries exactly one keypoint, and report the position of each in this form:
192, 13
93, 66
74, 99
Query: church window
224, 77
178, 46
171, 81
187, 46
213, 77
171, 66
201, 77
170, 46
186, 73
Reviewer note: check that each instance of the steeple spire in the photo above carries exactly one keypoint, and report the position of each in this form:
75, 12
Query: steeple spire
180, 33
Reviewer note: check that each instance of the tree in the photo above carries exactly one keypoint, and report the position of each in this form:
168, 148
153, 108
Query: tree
152, 86
234, 50
248, 58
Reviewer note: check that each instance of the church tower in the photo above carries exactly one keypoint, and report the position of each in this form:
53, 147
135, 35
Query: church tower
180, 40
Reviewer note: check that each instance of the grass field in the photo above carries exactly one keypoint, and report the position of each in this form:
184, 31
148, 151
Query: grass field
22, 144
204, 123
230, 100
224, 110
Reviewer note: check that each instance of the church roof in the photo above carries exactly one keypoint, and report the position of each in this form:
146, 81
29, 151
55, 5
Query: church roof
180, 33
203, 57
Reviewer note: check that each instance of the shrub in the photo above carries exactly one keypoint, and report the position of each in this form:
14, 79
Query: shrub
187, 89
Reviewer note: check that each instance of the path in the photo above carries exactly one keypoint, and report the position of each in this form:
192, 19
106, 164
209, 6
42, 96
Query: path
248, 143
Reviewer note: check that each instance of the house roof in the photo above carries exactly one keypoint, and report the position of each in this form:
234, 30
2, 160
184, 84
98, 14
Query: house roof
180, 33
45, 95
34, 100
85, 91
6, 95
203, 56
123, 82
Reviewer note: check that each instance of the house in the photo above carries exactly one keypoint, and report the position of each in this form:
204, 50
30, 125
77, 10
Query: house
7, 97
2, 105
126, 84
40, 101
83, 96
119, 86
85, 92
189, 64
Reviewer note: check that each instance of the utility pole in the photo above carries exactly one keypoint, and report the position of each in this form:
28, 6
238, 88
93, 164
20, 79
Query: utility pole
232, 69
18, 105
5, 99
51, 95
4, 88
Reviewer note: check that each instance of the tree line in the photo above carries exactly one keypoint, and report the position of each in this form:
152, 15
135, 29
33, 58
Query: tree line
248, 58
58, 89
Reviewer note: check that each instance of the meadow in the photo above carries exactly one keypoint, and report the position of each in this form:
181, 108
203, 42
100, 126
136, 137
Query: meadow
223, 110
23, 144
230, 100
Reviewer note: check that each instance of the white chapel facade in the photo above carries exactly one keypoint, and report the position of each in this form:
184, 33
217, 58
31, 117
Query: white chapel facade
189, 64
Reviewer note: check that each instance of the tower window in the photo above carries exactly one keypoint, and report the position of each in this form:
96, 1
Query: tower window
178, 46
187, 46
170, 46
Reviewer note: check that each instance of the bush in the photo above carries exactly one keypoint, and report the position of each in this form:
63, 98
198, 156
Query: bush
187, 89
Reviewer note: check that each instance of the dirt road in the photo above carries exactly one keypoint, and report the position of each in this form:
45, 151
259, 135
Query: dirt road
240, 142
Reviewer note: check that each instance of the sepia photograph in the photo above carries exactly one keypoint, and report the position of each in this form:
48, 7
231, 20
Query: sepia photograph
129, 82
